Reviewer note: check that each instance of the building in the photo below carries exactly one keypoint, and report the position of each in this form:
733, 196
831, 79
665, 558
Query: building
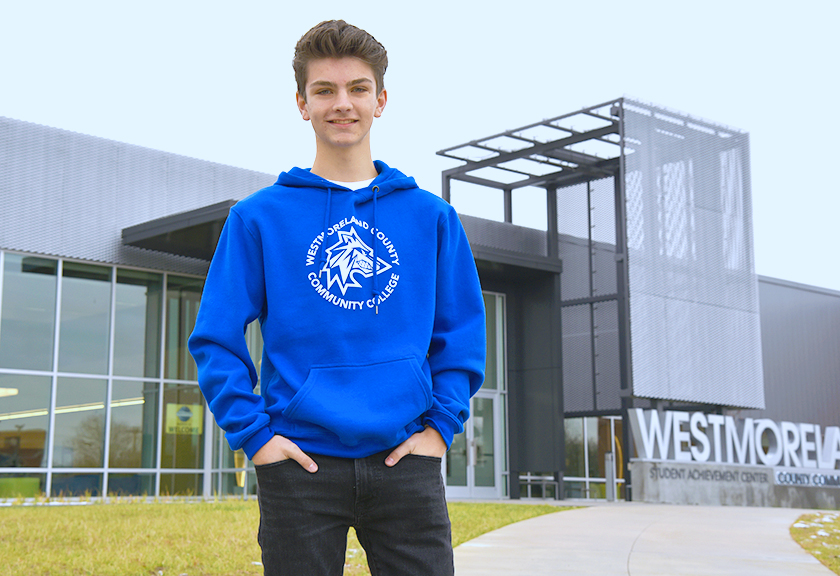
640, 292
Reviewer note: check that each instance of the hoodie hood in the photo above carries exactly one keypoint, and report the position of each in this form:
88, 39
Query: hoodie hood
388, 180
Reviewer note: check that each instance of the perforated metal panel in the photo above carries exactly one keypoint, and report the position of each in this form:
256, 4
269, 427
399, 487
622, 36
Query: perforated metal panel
586, 226
695, 333
573, 229
68, 194
607, 365
591, 369
602, 200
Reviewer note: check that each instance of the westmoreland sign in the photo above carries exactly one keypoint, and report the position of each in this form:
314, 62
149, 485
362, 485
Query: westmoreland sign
697, 458
698, 437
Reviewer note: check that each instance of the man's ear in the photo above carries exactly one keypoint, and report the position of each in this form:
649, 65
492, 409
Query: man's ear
381, 100
301, 104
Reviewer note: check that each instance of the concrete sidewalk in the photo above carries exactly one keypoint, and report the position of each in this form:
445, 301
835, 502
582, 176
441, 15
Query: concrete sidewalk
639, 539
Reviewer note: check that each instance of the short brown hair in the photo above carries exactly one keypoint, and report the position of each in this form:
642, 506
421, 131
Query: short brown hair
338, 39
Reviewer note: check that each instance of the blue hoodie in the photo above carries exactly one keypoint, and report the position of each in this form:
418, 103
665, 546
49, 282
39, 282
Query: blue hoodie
370, 309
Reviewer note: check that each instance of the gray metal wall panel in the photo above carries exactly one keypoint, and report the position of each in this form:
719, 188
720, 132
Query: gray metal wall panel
540, 397
578, 388
535, 406
695, 330
504, 236
800, 335
69, 194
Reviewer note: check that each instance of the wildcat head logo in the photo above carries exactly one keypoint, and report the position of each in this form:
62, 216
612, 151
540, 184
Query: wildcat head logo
341, 258
349, 258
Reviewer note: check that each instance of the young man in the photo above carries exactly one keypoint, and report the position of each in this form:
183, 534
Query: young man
373, 327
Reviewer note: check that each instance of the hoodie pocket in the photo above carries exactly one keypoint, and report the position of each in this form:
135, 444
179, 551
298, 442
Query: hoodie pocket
364, 403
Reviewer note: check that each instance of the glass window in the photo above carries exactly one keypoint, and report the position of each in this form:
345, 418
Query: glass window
491, 375
180, 484
223, 453
22, 485
619, 448
134, 408
503, 435
77, 484
182, 298
85, 318
231, 458
139, 298
27, 318
182, 427
253, 338
575, 460
456, 461
599, 446
232, 484
218, 449
79, 423
595, 465
575, 489
251, 483
483, 434
131, 484
24, 420
597, 490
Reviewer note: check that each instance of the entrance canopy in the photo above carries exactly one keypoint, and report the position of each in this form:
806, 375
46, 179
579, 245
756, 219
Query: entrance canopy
193, 233
568, 149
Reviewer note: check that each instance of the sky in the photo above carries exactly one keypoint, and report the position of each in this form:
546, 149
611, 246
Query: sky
213, 80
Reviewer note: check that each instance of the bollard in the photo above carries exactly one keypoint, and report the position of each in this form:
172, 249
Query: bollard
609, 464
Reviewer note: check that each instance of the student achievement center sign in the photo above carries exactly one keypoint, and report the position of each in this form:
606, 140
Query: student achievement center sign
697, 458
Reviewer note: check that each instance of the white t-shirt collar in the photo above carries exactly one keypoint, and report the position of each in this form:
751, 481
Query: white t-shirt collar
353, 185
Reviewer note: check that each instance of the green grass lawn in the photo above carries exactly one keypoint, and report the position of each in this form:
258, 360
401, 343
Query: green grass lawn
179, 538
819, 534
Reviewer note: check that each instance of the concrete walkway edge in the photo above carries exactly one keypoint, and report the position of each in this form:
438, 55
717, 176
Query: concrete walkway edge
637, 539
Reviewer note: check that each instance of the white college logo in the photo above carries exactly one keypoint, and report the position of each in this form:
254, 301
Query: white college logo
350, 257
348, 261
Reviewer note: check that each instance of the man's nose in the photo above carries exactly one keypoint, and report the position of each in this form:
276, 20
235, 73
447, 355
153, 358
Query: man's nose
342, 101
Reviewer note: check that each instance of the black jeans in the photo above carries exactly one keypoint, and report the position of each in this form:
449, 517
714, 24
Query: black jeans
399, 514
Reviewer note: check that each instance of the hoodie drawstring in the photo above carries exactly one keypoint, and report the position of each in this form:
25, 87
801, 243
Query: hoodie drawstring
324, 239
375, 290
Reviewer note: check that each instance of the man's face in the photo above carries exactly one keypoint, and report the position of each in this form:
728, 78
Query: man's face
341, 101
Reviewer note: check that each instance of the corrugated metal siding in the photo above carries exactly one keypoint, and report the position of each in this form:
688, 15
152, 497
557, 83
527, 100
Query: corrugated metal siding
800, 335
68, 194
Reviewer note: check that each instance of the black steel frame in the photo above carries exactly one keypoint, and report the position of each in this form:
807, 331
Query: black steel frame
551, 163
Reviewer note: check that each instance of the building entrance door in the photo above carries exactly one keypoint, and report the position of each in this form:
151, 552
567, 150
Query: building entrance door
476, 464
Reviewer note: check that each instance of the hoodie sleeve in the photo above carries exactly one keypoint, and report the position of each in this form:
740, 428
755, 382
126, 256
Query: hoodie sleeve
234, 295
458, 348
